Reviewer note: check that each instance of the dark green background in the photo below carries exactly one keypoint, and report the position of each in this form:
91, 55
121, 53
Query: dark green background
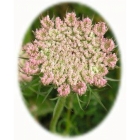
73, 120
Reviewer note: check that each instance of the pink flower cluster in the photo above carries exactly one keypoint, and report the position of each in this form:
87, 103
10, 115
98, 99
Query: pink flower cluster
70, 53
64, 90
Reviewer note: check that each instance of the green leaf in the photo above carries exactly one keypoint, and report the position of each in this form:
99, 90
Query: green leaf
109, 85
96, 96
79, 101
99, 100
111, 79
49, 91
40, 93
42, 110
100, 89
89, 98
117, 67
53, 99
39, 87
23, 58
29, 84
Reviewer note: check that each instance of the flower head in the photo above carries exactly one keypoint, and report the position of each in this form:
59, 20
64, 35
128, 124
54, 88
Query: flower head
70, 19
63, 90
30, 69
100, 29
31, 49
80, 88
47, 78
111, 60
47, 23
99, 81
107, 45
70, 54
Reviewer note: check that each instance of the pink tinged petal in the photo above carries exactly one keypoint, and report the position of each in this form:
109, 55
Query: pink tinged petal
47, 23
86, 25
41, 34
111, 60
100, 29
30, 69
80, 88
58, 23
40, 44
96, 42
38, 59
63, 90
71, 19
107, 45
99, 81
47, 78
30, 49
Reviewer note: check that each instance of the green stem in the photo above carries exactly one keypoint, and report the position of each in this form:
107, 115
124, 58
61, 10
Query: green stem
68, 117
57, 112
68, 123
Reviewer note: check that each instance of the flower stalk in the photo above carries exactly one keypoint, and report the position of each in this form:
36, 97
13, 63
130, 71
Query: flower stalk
56, 113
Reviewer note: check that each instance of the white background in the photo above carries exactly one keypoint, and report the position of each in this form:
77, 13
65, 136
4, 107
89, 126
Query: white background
113, 127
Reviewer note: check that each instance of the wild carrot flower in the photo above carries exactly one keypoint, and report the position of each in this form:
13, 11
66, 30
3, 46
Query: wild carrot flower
70, 54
